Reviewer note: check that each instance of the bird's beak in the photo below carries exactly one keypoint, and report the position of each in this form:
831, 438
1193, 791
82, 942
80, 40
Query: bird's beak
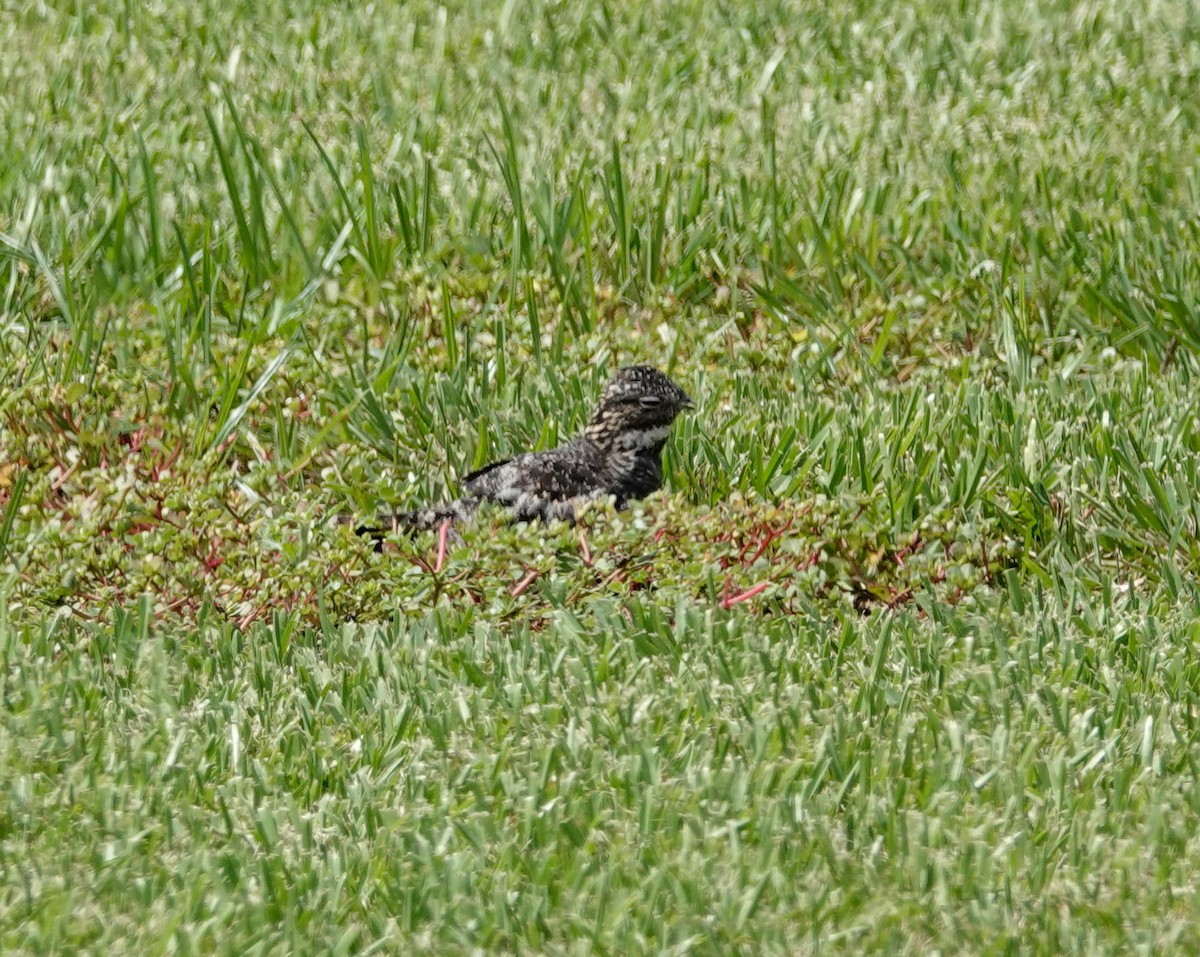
687, 402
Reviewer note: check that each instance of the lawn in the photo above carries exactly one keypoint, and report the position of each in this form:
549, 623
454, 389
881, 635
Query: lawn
903, 660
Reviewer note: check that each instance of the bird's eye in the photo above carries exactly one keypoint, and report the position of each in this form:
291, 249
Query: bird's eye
649, 401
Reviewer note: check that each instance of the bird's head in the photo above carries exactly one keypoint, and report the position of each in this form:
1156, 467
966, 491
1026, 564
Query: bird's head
636, 410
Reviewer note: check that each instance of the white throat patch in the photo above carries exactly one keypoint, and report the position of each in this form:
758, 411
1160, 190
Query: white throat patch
643, 438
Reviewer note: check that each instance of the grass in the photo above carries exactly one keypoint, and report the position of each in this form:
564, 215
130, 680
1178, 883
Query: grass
903, 660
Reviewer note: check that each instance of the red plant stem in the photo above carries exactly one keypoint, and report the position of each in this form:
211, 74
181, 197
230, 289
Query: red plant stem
524, 583
62, 479
746, 595
443, 538
772, 534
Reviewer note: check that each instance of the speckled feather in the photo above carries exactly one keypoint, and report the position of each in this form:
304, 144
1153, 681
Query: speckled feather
618, 455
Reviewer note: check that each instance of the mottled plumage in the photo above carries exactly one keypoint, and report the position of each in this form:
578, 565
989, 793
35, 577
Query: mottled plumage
618, 454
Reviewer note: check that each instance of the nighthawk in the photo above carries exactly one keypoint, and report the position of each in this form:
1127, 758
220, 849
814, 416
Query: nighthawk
618, 454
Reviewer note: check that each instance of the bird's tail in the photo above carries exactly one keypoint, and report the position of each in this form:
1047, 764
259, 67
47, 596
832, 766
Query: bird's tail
421, 519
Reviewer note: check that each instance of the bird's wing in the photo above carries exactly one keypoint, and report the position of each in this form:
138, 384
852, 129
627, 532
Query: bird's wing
472, 479
528, 482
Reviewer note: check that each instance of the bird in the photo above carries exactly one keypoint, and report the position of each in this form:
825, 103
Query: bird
618, 454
